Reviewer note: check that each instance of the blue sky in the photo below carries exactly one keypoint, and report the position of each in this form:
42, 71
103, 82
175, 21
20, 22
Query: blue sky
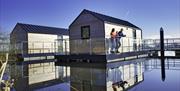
149, 15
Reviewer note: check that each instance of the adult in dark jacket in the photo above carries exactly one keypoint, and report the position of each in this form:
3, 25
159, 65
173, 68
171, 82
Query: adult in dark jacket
118, 39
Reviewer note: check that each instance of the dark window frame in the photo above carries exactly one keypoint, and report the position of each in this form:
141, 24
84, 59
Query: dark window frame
82, 37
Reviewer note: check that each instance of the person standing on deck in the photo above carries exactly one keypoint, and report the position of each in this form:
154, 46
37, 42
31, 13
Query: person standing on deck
113, 40
118, 39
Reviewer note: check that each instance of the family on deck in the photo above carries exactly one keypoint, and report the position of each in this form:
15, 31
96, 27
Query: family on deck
116, 40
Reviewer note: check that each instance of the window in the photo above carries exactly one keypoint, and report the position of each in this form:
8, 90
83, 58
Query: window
85, 32
60, 36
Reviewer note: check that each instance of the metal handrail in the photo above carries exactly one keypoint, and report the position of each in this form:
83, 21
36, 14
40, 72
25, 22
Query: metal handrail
127, 45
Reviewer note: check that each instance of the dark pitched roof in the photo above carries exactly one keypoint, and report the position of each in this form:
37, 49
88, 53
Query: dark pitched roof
111, 19
43, 29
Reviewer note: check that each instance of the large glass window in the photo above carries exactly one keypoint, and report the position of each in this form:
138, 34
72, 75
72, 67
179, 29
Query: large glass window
85, 32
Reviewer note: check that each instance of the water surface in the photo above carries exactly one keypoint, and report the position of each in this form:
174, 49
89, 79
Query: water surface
140, 74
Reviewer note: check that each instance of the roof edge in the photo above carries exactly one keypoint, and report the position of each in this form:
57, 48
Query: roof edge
40, 25
122, 25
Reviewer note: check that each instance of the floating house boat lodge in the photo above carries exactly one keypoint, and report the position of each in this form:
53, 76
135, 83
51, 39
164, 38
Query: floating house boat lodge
85, 47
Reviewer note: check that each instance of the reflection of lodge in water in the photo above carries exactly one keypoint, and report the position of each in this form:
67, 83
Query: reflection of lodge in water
29, 77
85, 78
41, 75
129, 72
105, 79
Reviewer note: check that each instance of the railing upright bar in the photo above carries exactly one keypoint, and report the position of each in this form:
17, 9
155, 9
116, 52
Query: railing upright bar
128, 45
167, 44
43, 48
65, 47
55, 47
122, 45
33, 48
90, 46
22, 48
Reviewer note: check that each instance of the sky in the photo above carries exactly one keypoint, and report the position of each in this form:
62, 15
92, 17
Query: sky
149, 15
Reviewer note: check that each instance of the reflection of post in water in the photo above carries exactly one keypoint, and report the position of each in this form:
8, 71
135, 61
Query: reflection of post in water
162, 53
163, 69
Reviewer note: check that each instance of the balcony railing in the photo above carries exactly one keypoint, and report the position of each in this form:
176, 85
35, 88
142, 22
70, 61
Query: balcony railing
25, 47
93, 46
154, 44
103, 45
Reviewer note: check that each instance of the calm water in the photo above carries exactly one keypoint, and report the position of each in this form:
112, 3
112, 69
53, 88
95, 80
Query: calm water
153, 80
140, 75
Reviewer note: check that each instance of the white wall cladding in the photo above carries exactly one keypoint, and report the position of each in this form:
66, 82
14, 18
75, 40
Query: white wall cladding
41, 43
35, 37
126, 30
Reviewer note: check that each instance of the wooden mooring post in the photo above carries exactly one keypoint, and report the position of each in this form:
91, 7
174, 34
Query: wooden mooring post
162, 54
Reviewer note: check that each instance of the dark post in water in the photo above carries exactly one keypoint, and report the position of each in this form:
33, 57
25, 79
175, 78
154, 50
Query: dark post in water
162, 53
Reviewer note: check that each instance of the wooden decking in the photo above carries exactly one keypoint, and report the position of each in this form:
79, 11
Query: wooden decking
126, 55
36, 54
71, 60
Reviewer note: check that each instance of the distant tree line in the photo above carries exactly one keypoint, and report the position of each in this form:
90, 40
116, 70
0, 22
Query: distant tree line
4, 43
